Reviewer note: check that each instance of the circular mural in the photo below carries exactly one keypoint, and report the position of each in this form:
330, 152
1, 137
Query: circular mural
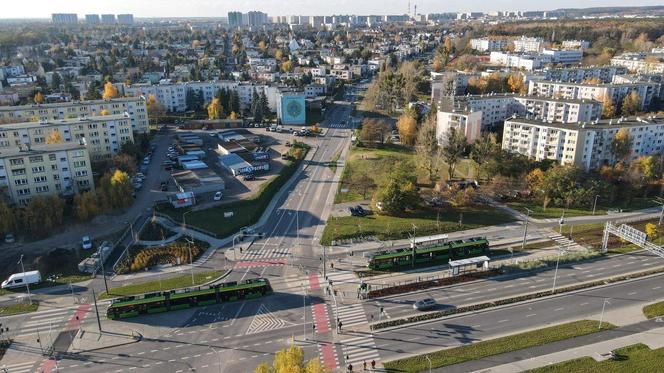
294, 109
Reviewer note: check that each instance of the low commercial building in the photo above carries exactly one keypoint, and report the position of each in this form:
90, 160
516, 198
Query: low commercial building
234, 164
586, 145
135, 107
103, 135
29, 171
198, 181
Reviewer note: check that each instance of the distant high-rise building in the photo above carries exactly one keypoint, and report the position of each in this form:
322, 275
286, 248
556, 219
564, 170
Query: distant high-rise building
235, 19
126, 19
108, 19
92, 19
64, 18
255, 18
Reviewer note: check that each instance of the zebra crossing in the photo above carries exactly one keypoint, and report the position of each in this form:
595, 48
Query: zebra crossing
342, 277
19, 368
359, 349
50, 321
564, 242
264, 321
351, 314
338, 125
264, 252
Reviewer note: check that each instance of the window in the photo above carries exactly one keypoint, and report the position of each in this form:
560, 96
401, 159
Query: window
79, 163
51, 157
20, 181
36, 158
38, 169
41, 189
40, 179
16, 161
18, 171
81, 173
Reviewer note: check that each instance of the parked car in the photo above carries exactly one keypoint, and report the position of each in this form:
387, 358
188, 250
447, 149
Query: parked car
9, 238
249, 177
217, 196
360, 211
139, 175
146, 160
86, 243
424, 304
352, 211
164, 186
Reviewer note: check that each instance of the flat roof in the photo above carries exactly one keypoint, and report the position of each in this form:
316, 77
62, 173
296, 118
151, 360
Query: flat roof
71, 103
87, 119
40, 149
467, 261
601, 124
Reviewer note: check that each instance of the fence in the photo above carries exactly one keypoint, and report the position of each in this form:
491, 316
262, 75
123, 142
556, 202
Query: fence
186, 226
127, 232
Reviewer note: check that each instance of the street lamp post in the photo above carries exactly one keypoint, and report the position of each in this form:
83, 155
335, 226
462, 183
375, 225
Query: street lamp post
555, 274
429, 360
103, 270
595, 203
525, 229
601, 317
561, 222
304, 312
27, 284
191, 261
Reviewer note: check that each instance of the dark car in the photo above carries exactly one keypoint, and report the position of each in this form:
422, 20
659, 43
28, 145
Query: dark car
360, 211
248, 177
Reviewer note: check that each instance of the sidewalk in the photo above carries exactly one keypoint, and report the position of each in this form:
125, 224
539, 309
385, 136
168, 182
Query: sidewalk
597, 346
89, 338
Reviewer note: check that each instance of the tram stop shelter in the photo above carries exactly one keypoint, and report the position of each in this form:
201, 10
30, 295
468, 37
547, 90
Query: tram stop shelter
462, 266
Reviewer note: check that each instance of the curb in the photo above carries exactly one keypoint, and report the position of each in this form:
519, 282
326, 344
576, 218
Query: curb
517, 303
135, 339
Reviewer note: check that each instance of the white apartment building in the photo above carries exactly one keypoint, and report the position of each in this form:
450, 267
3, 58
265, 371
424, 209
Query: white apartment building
641, 63
488, 44
134, 106
576, 44
467, 123
564, 56
578, 74
102, 135
342, 74
492, 110
586, 145
64, 18
173, 95
527, 62
582, 91
314, 90
525, 44
27, 172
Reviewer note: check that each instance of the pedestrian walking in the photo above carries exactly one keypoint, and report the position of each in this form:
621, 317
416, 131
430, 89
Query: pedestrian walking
373, 364
364, 364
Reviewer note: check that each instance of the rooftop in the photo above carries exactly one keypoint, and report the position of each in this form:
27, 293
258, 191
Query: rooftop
70, 103
598, 124
79, 120
40, 149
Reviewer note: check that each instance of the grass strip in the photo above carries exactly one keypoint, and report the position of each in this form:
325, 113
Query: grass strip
654, 310
15, 309
496, 346
635, 358
161, 285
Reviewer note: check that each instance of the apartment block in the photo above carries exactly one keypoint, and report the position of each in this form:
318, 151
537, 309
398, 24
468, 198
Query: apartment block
102, 135
526, 44
64, 18
29, 171
563, 56
583, 91
488, 44
576, 44
134, 106
641, 63
578, 74
528, 62
492, 109
586, 145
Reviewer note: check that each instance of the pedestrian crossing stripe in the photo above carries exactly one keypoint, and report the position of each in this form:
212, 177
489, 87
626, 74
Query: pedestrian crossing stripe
265, 320
360, 349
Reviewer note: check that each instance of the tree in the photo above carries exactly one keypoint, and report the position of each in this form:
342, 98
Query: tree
93, 91
291, 360
482, 150
398, 191
234, 101
651, 231
110, 91
621, 145
364, 182
125, 162
194, 99
155, 109
593, 80
86, 206
287, 66
608, 107
54, 137
631, 103
120, 189
39, 98
233, 115
516, 84
56, 81
42, 214
407, 126
214, 109
374, 131
452, 150
7, 218
426, 148
437, 65
535, 181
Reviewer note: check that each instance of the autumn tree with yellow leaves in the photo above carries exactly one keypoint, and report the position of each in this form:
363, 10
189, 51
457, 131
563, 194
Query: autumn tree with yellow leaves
214, 109
291, 360
39, 98
407, 126
110, 91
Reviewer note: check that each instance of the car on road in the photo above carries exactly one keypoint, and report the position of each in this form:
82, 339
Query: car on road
217, 196
164, 186
424, 304
146, 160
86, 243
9, 238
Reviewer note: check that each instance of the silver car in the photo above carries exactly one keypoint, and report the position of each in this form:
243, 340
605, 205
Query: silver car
424, 304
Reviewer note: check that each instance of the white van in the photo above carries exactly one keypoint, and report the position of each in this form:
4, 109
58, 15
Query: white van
20, 279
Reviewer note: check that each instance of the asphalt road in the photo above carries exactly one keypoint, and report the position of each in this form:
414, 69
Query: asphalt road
507, 286
468, 328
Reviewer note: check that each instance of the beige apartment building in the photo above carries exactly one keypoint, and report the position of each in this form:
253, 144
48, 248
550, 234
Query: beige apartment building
134, 106
102, 135
29, 171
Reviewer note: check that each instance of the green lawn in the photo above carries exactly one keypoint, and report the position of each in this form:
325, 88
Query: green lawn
17, 308
654, 310
590, 235
556, 212
496, 346
397, 227
245, 212
155, 232
160, 285
635, 358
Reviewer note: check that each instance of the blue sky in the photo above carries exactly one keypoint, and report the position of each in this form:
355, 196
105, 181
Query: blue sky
193, 8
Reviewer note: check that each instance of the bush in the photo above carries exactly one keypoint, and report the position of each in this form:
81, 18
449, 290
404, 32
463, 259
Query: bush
140, 258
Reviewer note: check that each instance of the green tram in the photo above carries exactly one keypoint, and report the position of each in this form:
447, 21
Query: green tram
441, 252
186, 298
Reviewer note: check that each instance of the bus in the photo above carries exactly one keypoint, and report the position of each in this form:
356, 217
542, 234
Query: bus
173, 300
431, 255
